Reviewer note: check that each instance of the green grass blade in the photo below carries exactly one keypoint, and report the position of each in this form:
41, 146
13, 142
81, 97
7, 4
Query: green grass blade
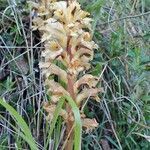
27, 136
20, 133
54, 120
78, 123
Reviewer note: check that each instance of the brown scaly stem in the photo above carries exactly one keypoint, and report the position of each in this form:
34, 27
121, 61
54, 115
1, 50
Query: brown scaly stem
69, 123
69, 76
69, 126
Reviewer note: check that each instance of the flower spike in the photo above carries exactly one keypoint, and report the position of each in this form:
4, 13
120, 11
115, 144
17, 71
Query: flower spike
66, 32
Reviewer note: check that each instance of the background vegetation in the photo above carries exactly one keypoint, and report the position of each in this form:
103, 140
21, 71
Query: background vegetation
122, 31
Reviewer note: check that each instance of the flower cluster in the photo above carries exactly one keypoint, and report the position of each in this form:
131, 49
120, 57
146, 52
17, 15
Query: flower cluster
65, 30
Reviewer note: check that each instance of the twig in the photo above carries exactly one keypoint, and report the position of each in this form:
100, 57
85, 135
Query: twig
127, 17
19, 47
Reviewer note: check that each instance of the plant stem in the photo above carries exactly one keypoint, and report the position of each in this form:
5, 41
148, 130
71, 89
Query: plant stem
70, 122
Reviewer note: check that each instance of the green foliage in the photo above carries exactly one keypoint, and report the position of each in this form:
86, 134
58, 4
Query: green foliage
125, 79
26, 133
6, 86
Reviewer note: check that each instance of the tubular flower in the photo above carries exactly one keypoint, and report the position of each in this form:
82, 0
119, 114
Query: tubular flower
65, 30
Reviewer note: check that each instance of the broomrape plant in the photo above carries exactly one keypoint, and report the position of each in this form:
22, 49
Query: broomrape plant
66, 33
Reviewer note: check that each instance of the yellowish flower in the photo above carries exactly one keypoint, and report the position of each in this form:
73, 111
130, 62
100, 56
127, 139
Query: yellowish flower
89, 124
